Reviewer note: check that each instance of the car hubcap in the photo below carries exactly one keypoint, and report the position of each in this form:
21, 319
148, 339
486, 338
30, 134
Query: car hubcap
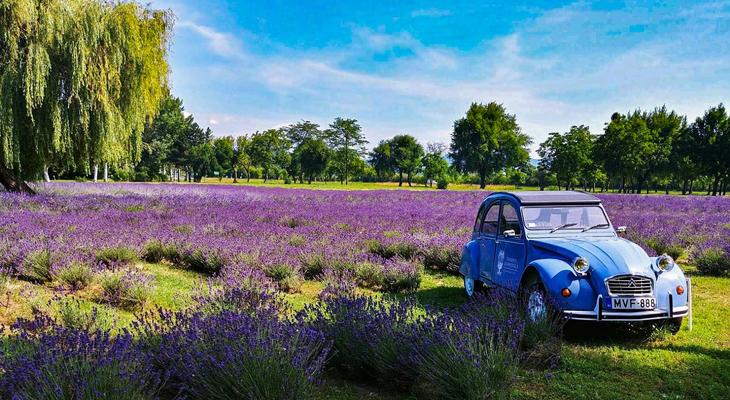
536, 308
469, 286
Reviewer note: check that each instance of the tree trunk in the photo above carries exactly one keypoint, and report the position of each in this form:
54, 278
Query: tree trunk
409, 180
12, 184
691, 184
46, 177
106, 172
235, 175
96, 172
482, 180
400, 179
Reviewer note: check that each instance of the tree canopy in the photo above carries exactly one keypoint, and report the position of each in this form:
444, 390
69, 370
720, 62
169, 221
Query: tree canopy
78, 81
488, 140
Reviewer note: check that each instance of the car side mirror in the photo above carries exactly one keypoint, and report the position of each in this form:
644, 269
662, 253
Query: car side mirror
509, 233
621, 229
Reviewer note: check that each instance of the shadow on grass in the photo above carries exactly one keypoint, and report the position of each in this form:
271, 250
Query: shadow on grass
443, 296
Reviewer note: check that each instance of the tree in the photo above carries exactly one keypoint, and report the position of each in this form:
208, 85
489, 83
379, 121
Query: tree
203, 161
297, 134
406, 153
382, 160
269, 150
224, 155
569, 156
78, 81
488, 140
434, 164
242, 158
313, 156
711, 135
346, 139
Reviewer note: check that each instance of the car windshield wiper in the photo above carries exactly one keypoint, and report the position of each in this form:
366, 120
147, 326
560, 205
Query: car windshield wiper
603, 225
563, 226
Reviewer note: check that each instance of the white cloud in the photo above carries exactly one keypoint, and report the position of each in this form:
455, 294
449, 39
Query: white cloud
554, 71
221, 43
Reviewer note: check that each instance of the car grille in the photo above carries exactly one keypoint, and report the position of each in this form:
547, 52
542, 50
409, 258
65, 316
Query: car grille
629, 285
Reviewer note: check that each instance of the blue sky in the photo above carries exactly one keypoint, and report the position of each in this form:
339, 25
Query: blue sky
415, 66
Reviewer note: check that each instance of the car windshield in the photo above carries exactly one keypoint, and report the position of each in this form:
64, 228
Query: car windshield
564, 218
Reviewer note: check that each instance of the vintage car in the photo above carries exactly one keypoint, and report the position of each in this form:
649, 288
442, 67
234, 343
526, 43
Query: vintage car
560, 250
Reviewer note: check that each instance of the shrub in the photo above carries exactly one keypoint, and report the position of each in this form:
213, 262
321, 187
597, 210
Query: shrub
200, 260
116, 255
156, 251
369, 275
37, 266
399, 275
285, 276
372, 339
442, 257
66, 363
661, 246
471, 353
71, 314
126, 289
76, 275
400, 249
313, 265
713, 261
442, 184
232, 355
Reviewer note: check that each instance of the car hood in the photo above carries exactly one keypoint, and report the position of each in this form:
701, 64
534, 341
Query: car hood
607, 256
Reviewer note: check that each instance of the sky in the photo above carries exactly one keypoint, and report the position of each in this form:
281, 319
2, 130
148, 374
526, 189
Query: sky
415, 66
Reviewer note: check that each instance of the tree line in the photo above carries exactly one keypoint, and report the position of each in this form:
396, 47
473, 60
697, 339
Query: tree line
639, 150
642, 150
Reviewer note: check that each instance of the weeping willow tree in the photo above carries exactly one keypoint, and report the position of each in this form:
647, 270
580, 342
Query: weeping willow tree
78, 81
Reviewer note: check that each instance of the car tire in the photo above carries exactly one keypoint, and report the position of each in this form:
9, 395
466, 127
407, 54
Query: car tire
472, 286
536, 304
672, 325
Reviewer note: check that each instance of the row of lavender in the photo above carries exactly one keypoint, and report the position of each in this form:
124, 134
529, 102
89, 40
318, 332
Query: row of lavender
246, 344
383, 237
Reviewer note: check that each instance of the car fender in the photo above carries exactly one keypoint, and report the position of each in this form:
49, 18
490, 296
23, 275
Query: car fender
470, 260
666, 284
557, 275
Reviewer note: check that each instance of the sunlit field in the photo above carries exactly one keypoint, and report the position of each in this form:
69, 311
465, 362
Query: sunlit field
112, 257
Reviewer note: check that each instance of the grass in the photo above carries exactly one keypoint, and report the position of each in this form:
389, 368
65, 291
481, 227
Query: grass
596, 363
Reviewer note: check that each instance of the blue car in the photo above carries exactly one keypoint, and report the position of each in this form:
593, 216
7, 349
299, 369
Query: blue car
560, 250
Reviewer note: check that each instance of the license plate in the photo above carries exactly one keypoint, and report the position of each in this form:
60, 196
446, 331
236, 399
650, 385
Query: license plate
631, 303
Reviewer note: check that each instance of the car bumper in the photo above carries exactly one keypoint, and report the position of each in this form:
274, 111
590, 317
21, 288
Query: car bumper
600, 314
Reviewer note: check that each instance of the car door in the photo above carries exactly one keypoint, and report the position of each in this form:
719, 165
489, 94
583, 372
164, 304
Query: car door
509, 258
487, 240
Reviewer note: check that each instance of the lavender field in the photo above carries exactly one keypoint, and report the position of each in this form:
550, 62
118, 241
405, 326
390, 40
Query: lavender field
383, 237
92, 251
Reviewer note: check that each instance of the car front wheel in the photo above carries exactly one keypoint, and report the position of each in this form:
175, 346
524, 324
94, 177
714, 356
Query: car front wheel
536, 303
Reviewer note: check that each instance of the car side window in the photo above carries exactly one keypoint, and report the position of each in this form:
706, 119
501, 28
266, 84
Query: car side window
490, 222
509, 220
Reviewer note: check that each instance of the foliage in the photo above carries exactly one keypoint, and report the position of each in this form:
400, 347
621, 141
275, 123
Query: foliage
127, 289
406, 155
45, 360
116, 255
435, 166
488, 140
713, 261
231, 354
76, 275
78, 81
313, 156
348, 143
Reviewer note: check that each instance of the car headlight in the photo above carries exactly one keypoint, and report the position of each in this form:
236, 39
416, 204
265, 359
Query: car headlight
664, 262
581, 265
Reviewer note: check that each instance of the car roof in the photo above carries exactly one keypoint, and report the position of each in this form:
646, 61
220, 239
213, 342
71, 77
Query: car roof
550, 197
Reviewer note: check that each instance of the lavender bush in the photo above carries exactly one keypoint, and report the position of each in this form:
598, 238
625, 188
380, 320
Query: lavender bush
44, 360
236, 344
